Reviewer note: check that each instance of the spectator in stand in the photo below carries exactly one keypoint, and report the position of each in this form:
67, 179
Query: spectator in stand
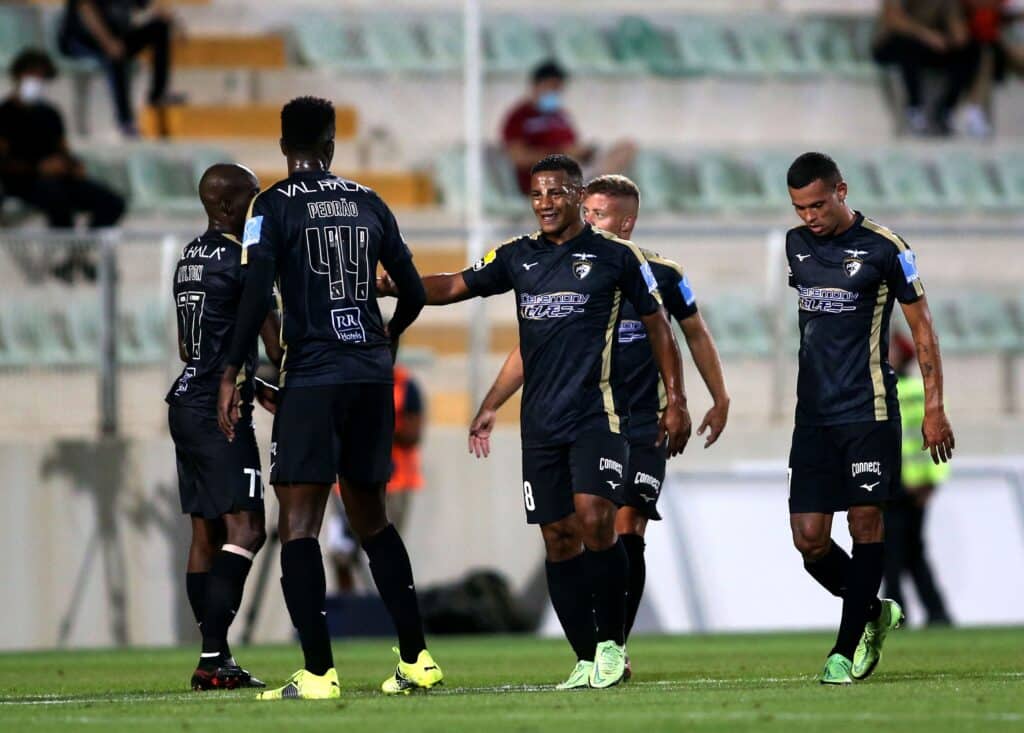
988, 21
406, 479
539, 126
108, 30
915, 35
905, 514
36, 165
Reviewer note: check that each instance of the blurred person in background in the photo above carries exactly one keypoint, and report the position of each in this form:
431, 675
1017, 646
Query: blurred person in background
919, 35
37, 166
988, 21
540, 126
110, 31
406, 479
905, 514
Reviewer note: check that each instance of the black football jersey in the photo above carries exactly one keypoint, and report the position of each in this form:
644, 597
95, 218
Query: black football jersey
644, 389
569, 300
207, 288
326, 236
846, 286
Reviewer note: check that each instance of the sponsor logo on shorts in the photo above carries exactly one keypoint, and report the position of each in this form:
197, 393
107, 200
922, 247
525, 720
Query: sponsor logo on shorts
348, 325
646, 478
614, 485
870, 487
874, 467
183, 381
607, 464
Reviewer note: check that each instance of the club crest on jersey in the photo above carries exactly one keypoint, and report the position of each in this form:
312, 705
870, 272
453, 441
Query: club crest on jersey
852, 265
582, 266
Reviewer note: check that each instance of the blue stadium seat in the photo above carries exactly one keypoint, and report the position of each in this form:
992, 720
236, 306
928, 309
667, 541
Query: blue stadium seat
637, 42
511, 45
445, 42
333, 41
583, 49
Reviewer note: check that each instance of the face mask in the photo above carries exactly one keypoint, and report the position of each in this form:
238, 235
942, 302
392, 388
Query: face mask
549, 102
31, 89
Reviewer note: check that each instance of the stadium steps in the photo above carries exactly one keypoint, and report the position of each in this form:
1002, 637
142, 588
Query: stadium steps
267, 51
212, 122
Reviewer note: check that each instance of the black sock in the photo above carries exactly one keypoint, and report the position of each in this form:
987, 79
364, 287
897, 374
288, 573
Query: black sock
305, 588
634, 545
573, 601
223, 597
195, 589
608, 573
392, 573
832, 570
865, 578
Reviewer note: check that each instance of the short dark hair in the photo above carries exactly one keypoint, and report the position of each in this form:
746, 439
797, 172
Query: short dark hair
307, 123
559, 162
811, 167
614, 184
549, 69
33, 59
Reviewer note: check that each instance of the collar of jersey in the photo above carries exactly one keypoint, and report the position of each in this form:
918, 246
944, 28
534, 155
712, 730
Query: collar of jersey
822, 246
547, 243
223, 235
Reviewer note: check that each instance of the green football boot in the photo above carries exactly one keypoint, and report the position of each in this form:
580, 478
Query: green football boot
869, 650
609, 665
837, 671
580, 677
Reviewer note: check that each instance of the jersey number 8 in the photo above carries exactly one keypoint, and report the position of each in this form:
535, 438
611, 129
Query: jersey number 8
337, 250
528, 496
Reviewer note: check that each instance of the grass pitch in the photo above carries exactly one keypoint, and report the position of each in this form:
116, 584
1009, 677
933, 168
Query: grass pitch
970, 680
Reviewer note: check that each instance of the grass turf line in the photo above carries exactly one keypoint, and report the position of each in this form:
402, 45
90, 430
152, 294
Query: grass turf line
934, 681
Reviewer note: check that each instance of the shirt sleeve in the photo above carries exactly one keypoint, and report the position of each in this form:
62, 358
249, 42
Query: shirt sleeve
490, 274
261, 238
902, 276
637, 282
393, 248
512, 130
677, 294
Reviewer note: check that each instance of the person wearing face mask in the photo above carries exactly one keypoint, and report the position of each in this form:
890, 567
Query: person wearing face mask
539, 126
36, 165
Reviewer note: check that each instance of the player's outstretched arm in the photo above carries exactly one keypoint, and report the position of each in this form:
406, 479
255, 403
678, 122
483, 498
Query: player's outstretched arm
705, 356
440, 289
506, 384
675, 421
935, 429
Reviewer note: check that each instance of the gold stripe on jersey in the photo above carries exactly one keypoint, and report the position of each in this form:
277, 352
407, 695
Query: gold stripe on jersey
875, 357
632, 248
896, 239
657, 259
606, 365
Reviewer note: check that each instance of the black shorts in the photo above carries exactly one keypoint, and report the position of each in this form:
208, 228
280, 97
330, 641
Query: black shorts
595, 463
645, 477
832, 468
329, 431
215, 477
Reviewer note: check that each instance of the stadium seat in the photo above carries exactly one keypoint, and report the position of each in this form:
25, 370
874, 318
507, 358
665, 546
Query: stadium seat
658, 180
839, 46
771, 167
500, 197
769, 46
511, 45
230, 51
739, 325
331, 41
583, 49
637, 42
907, 183
968, 182
862, 179
1008, 169
948, 323
110, 168
33, 335
83, 320
730, 183
163, 183
445, 42
987, 321
393, 46
704, 47
20, 28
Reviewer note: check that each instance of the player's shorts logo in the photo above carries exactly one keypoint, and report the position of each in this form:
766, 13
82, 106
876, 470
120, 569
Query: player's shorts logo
607, 464
348, 325
642, 478
852, 266
183, 381
860, 467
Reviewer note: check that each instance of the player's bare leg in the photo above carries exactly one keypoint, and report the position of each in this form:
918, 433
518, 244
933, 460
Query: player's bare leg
571, 594
366, 509
631, 525
243, 535
607, 568
305, 588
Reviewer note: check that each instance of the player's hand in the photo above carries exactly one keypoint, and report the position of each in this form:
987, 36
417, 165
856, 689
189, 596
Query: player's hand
938, 436
674, 429
386, 286
228, 401
714, 422
266, 395
480, 432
